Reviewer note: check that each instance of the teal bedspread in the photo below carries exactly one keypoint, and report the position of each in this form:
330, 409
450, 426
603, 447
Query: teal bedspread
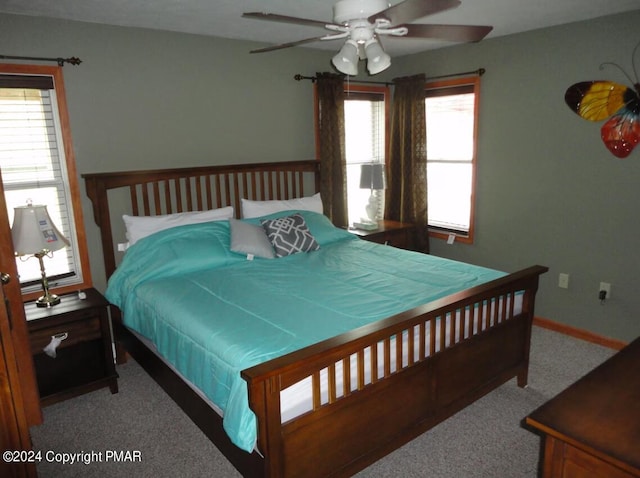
212, 313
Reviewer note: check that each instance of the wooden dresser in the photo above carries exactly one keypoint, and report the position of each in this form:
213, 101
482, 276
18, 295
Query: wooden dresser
592, 429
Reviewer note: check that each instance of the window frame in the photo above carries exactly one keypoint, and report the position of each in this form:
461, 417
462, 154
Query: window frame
453, 84
55, 72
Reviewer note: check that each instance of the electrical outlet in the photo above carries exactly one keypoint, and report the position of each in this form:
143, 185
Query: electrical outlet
563, 280
605, 286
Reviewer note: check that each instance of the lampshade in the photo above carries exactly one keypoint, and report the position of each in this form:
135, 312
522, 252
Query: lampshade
33, 231
346, 60
377, 59
372, 176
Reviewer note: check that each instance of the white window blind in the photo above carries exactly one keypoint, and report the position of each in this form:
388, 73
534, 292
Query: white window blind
33, 168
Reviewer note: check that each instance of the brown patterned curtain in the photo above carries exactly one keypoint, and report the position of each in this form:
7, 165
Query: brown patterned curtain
333, 169
406, 193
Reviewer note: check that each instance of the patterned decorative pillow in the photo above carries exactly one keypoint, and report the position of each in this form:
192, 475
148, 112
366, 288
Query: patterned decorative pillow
289, 235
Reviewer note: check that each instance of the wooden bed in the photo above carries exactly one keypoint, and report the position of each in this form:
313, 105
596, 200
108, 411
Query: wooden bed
354, 428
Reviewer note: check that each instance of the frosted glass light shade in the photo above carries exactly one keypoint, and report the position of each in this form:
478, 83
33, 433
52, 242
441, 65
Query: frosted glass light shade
346, 60
377, 59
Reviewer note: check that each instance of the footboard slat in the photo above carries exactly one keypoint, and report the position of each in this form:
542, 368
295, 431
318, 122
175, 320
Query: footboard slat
387, 357
346, 379
332, 383
315, 380
412, 351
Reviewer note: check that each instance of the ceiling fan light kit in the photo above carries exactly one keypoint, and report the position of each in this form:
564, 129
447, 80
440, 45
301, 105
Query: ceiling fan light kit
363, 22
377, 59
346, 60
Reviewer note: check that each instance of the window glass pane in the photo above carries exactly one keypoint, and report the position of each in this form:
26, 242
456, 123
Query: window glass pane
357, 198
450, 117
364, 143
364, 131
449, 195
28, 140
450, 127
33, 169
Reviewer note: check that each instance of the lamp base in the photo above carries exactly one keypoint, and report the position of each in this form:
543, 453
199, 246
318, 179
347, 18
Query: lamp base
48, 300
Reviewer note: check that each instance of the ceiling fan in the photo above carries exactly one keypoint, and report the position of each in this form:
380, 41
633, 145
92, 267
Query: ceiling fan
364, 22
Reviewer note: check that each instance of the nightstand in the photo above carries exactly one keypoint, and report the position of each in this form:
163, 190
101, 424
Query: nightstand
84, 358
392, 233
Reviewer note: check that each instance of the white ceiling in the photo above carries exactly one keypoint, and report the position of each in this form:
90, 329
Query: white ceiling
223, 18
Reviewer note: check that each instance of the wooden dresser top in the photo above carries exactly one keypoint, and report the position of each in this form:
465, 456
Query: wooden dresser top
601, 411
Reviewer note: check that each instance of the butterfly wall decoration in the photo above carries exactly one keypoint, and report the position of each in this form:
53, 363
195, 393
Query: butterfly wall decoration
602, 99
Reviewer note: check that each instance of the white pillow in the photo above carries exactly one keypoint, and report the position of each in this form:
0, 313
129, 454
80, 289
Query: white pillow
143, 226
262, 208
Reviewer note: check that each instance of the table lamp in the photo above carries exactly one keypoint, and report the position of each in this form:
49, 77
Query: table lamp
34, 234
372, 178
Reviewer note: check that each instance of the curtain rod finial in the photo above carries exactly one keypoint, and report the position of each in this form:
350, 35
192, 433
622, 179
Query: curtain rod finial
299, 77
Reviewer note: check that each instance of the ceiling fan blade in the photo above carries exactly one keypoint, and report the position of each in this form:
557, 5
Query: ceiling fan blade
274, 17
458, 33
290, 44
409, 10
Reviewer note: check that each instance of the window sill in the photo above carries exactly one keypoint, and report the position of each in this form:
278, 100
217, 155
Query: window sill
438, 234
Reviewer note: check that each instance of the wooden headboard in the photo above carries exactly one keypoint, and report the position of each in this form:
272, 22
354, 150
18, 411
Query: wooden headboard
168, 191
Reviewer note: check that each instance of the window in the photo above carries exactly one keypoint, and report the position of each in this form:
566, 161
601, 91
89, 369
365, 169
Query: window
37, 165
365, 114
451, 116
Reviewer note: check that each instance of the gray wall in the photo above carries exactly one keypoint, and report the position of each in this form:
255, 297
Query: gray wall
548, 192
145, 99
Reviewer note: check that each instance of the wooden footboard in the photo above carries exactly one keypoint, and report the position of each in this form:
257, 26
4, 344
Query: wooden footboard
434, 360
439, 376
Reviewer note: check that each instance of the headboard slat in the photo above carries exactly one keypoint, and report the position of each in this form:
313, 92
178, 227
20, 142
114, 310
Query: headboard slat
156, 196
236, 192
166, 196
134, 200
145, 199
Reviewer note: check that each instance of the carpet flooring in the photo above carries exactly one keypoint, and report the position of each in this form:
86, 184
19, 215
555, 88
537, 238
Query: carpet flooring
140, 432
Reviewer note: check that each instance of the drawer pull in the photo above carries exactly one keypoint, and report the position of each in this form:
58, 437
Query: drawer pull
50, 349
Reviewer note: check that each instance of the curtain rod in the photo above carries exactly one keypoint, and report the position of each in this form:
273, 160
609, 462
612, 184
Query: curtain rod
479, 72
61, 61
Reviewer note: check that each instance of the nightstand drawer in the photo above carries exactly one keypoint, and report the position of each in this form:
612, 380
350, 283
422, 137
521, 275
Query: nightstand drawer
77, 331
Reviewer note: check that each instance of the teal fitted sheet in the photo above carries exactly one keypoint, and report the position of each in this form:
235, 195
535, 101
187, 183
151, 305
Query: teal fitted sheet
212, 313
